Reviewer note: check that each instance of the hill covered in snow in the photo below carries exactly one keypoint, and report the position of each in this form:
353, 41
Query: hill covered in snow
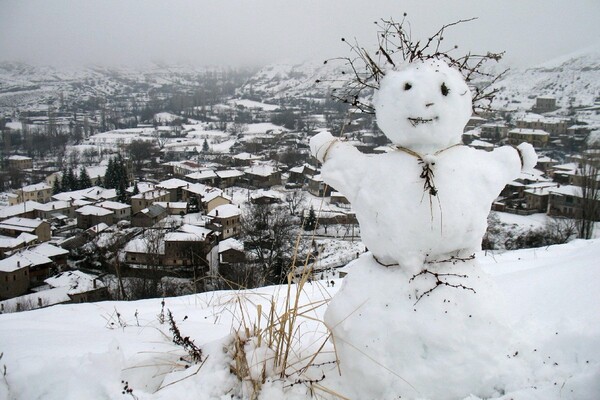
126, 349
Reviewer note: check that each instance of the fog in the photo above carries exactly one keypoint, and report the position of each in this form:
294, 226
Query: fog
258, 32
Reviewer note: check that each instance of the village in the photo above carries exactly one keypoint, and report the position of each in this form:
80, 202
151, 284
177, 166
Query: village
214, 196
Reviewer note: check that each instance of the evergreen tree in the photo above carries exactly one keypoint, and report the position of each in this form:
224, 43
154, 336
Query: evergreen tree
84, 181
109, 176
136, 189
310, 223
205, 147
56, 186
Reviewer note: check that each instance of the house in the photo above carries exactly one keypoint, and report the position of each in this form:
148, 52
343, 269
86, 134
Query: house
174, 186
544, 104
39, 192
20, 163
148, 216
14, 278
146, 199
88, 216
228, 178
567, 201
493, 132
214, 199
301, 173
262, 176
244, 159
64, 288
174, 207
555, 127
145, 250
24, 210
81, 287
481, 145
55, 209
189, 246
58, 255
231, 256
226, 220
317, 187
8, 245
208, 177
265, 197
91, 195
121, 211
536, 137
39, 265
13, 227
339, 199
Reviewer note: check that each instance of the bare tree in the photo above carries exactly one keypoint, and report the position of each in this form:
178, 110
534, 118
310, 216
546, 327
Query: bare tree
295, 200
271, 239
590, 193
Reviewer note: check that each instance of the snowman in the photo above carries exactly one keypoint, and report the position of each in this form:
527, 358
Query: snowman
416, 316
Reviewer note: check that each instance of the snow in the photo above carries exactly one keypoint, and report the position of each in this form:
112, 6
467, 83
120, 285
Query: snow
85, 352
225, 211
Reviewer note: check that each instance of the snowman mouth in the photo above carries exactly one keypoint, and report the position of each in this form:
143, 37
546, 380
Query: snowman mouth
418, 120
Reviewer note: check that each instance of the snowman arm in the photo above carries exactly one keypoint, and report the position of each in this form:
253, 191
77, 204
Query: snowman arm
515, 159
342, 162
527, 156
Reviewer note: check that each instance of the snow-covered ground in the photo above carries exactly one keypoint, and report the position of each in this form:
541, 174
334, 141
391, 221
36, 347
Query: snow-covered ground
99, 350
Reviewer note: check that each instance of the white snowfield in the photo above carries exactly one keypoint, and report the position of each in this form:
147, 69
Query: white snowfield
82, 351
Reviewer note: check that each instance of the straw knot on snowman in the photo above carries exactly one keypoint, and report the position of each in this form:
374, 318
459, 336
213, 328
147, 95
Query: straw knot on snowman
430, 197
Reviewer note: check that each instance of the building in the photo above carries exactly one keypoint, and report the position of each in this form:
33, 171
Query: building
88, 216
544, 104
226, 220
536, 137
121, 211
20, 163
15, 226
14, 278
146, 199
148, 216
39, 192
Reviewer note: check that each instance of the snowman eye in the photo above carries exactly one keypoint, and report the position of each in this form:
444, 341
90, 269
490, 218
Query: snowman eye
445, 89
407, 86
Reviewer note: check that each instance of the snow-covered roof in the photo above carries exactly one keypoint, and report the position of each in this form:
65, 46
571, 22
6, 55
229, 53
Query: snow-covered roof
93, 193
152, 194
225, 211
93, 210
25, 258
260, 170
229, 173
527, 131
18, 223
36, 187
19, 209
199, 175
213, 194
113, 205
75, 281
172, 183
141, 245
19, 158
171, 204
54, 205
230, 243
49, 250
567, 190
246, 157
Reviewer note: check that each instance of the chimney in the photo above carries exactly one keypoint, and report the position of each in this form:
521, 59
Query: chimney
216, 213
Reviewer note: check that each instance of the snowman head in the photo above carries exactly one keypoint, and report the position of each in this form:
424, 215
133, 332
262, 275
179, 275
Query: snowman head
423, 106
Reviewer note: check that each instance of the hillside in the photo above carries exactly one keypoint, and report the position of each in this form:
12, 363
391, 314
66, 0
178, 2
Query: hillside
122, 350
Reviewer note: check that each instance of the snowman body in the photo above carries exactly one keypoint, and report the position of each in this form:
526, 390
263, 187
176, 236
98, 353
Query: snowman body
422, 209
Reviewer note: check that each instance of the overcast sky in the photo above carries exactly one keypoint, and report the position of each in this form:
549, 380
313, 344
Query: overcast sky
258, 32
